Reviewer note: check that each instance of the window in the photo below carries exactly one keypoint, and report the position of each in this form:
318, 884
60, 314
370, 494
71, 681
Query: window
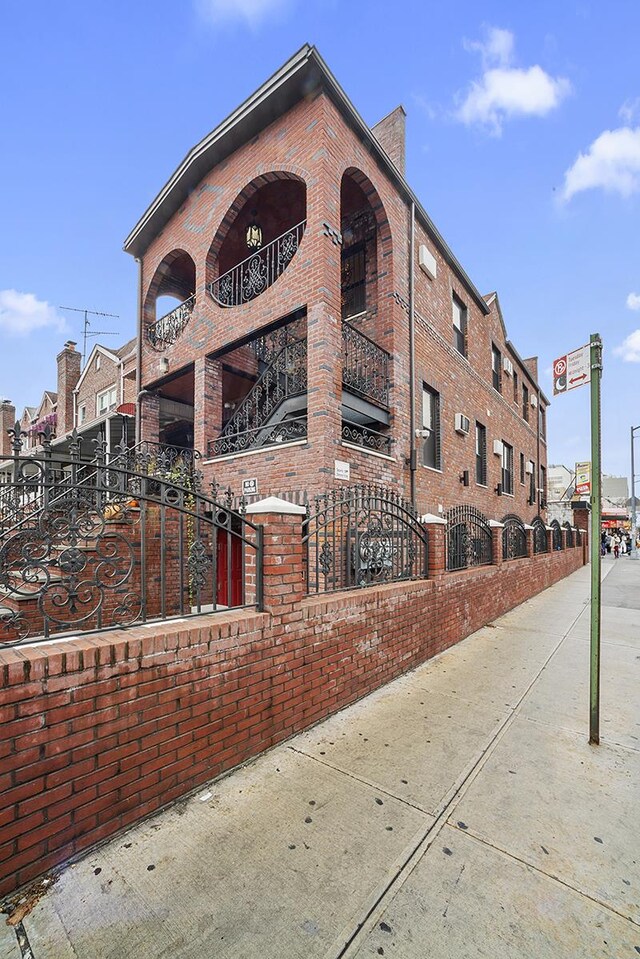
507, 468
98, 362
532, 483
525, 403
459, 326
106, 401
496, 367
515, 387
522, 468
543, 487
354, 281
481, 454
82, 414
431, 427
543, 422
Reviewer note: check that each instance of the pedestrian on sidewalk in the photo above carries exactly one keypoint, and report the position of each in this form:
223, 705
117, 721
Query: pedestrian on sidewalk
616, 546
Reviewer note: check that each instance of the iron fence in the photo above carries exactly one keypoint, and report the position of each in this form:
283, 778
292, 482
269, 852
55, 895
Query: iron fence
469, 540
540, 542
514, 537
556, 534
360, 536
366, 437
258, 271
106, 546
569, 534
287, 431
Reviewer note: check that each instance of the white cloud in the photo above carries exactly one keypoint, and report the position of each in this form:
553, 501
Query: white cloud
252, 12
629, 111
22, 313
505, 91
633, 301
612, 163
629, 350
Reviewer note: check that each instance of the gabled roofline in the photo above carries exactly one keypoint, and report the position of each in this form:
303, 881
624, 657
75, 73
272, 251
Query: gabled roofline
305, 72
98, 348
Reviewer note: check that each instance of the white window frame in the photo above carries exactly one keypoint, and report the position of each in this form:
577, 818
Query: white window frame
110, 405
82, 414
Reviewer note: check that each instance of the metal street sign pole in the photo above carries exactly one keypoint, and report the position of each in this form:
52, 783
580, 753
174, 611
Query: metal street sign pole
596, 511
634, 534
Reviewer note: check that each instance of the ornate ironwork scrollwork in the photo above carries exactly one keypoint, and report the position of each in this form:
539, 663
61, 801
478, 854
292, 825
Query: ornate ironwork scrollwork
540, 543
469, 540
365, 366
170, 327
514, 537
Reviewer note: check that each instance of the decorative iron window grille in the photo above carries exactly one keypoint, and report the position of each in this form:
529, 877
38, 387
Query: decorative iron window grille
469, 540
569, 534
89, 544
363, 535
540, 543
170, 327
354, 280
556, 534
481, 454
514, 537
248, 279
365, 366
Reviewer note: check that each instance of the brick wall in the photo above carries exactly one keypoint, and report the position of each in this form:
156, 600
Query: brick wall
101, 731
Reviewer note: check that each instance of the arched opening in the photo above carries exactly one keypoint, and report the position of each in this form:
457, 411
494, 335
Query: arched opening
257, 239
366, 370
170, 299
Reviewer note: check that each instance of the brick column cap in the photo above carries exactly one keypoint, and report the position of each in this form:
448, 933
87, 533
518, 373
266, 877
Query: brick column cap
494, 524
430, 519
273, 504
527, 526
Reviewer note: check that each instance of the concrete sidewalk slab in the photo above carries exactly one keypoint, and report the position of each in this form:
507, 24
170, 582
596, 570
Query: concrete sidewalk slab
620, 626
561, 695
550, 799
466, 899
282, 853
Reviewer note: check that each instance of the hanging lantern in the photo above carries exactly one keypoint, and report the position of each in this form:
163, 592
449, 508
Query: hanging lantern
254, 234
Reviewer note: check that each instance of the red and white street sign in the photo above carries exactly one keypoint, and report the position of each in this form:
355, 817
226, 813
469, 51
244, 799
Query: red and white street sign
572, 370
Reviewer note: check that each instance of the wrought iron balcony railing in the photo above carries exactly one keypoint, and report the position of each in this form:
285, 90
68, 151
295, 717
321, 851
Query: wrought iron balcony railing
365, 366
165, 331
284, 432
367, 438
259, 271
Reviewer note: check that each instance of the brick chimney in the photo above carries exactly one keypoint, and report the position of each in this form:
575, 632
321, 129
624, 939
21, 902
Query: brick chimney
390, 134
532, 365
69, 362
7, 422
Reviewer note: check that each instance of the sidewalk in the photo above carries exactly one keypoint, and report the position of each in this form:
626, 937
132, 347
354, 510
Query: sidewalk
458, 812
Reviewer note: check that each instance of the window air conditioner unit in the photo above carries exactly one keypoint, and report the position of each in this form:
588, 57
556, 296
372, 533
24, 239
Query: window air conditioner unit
462, 424
529, 468
498, 447
507, 365
534, 401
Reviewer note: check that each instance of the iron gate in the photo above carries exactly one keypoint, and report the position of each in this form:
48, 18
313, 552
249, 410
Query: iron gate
556, 534
469, 541
569, 534
91, 544
514, 537
540, 544
362, 535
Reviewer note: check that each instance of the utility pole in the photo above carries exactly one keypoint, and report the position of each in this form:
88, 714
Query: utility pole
86, 333
634, 548
596, 514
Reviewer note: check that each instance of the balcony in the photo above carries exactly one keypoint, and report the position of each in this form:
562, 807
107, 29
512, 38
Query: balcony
165, 331
365, 366
248, 279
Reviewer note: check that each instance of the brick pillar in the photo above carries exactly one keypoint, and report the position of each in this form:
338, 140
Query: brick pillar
69, 363
284, 555
496, 542
549, 540
7, 422
149, 417
437, 544
529, 534
207, 402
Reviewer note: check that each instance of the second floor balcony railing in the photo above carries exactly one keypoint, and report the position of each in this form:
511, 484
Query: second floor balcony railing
259, 271
165, 331
365, 366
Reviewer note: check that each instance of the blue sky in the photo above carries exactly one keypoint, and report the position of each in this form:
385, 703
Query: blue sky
523, 142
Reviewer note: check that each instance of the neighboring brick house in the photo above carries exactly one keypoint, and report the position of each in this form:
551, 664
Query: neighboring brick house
323, 327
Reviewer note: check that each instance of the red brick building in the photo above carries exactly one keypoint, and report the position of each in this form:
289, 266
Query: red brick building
323, 331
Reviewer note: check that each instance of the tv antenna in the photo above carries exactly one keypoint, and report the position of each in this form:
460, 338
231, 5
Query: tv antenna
87, 323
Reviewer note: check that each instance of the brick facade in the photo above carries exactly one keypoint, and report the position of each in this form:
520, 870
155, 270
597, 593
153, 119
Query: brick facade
314, 142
